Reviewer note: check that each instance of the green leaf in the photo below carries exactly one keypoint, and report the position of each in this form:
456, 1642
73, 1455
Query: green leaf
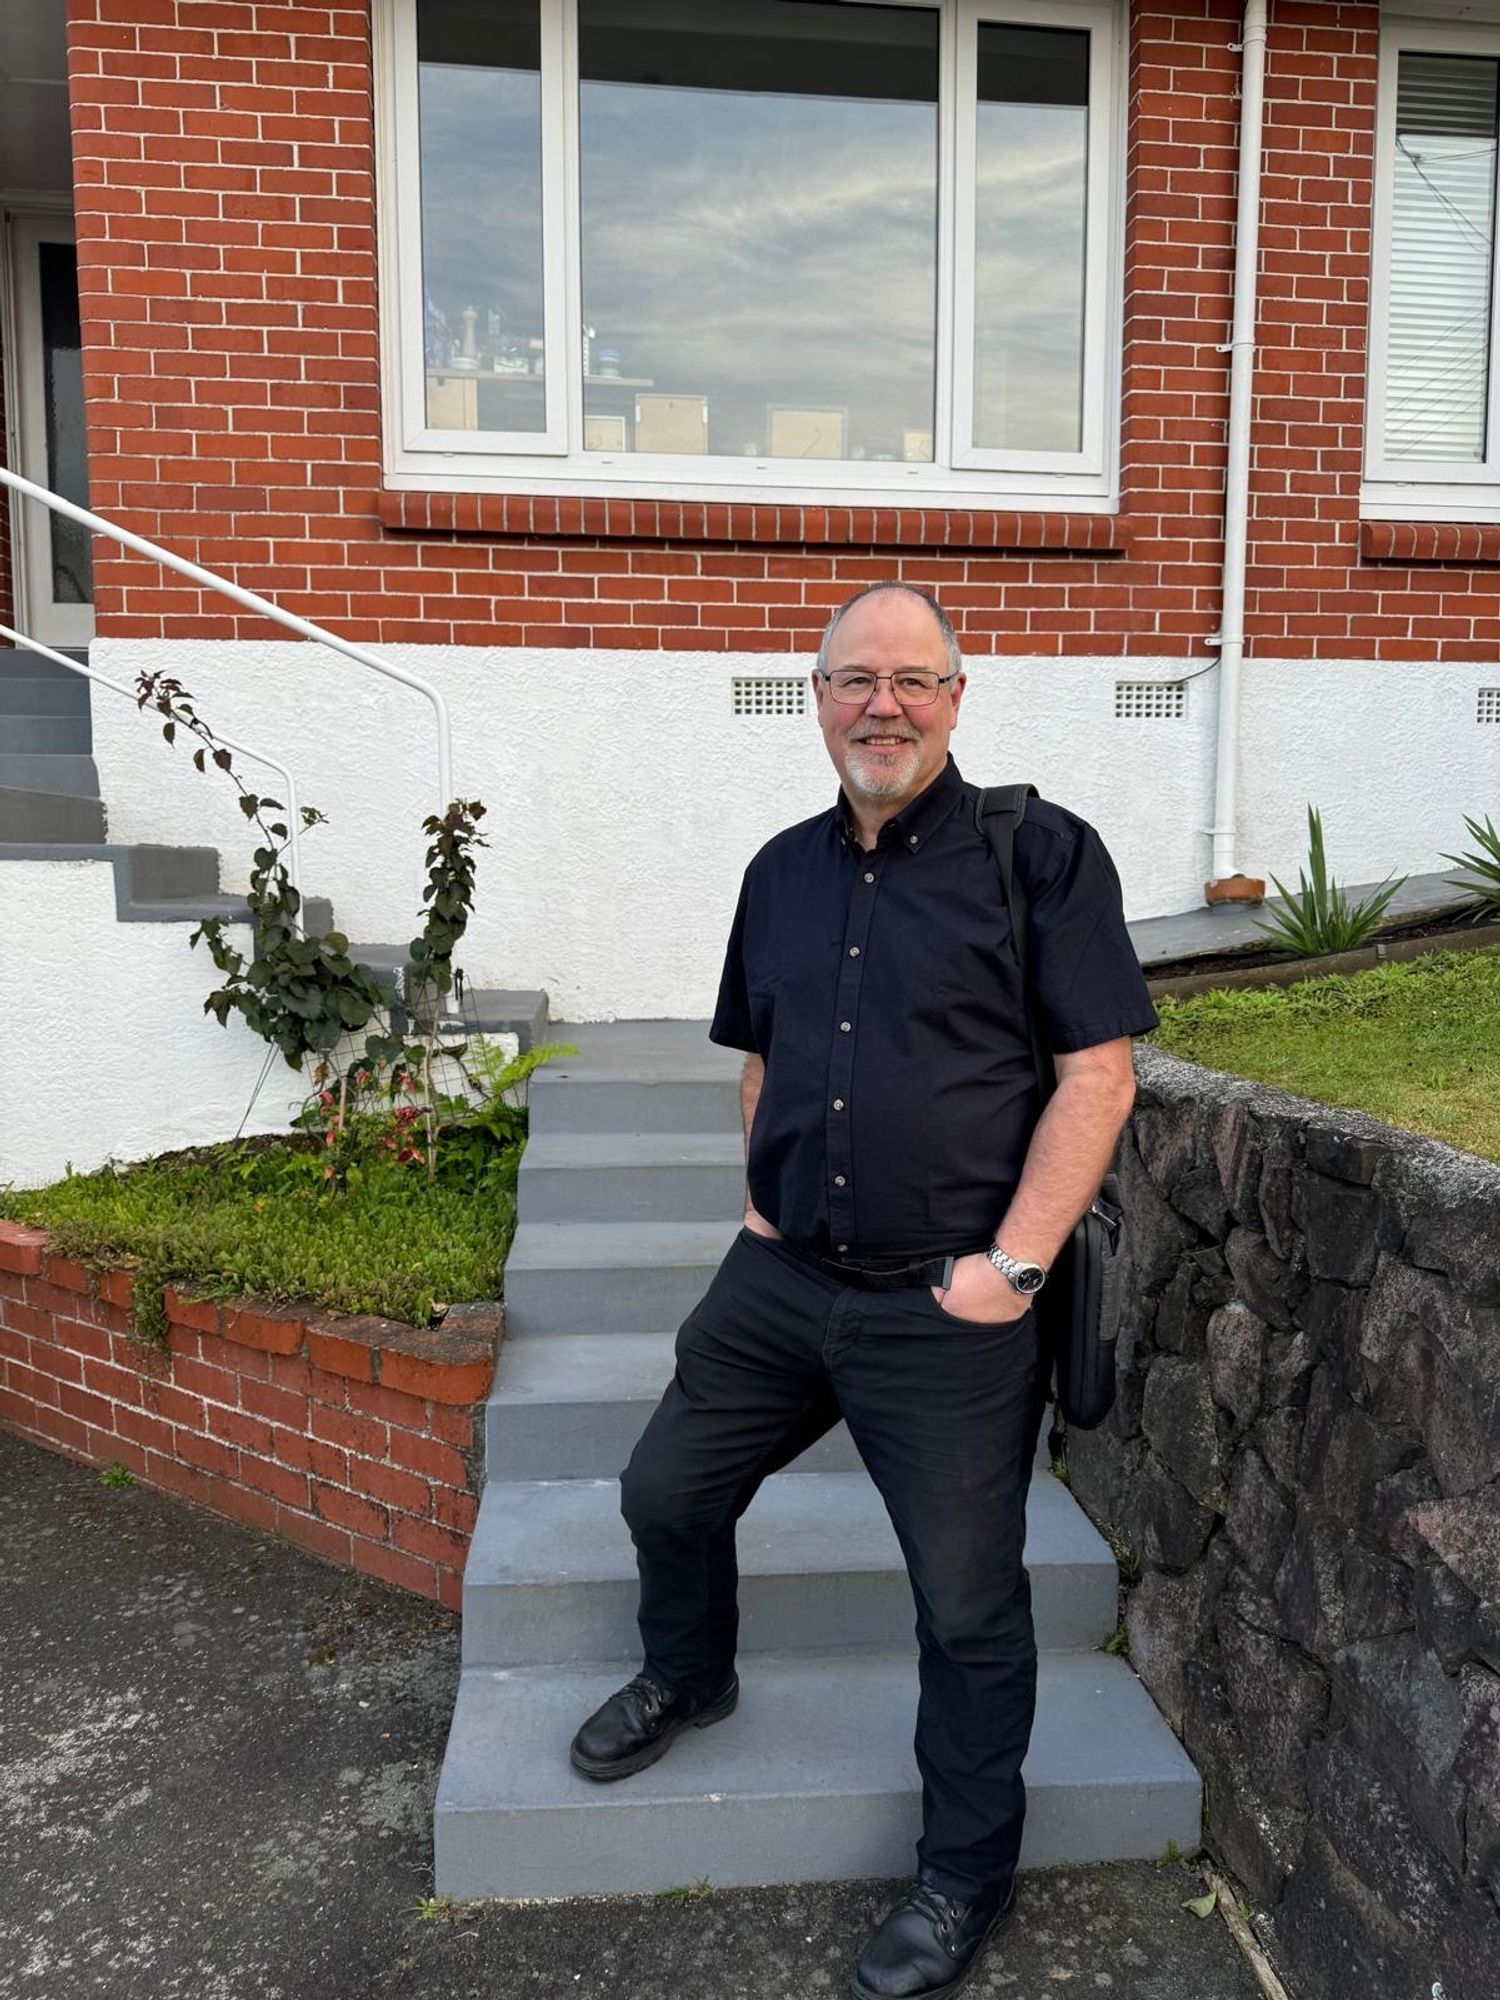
249, 805
1203, 1906
222, 758
169, 731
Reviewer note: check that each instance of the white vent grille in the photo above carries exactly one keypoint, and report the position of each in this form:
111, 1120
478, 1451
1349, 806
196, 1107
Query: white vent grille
770, 694
1489, 705
1150, 701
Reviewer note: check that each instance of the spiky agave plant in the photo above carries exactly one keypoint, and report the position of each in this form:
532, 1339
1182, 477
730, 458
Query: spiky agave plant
1320, 917
1484, 869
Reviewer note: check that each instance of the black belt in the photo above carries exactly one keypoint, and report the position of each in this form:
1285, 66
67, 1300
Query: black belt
888, 1274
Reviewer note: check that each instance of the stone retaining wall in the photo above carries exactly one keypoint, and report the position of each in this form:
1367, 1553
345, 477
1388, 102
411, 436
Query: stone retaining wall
355, 1438
1305, 1462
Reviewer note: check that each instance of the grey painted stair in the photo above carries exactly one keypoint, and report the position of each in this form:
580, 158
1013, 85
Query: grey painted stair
621, 1277
20, 663
629, 1193
638, 1076
43, 694
552, 1574
812, 1779
46, 735
58, 771
632, 1176
572, 1406
49, 816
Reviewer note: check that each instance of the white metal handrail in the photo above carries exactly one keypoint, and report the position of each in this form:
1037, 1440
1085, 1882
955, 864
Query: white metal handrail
289, 783
303, 627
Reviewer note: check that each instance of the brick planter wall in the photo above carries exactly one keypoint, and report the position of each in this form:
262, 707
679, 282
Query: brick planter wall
355, 1438
1305, 1457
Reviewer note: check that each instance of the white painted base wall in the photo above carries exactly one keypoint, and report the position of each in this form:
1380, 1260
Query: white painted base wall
110, 1052
625, 796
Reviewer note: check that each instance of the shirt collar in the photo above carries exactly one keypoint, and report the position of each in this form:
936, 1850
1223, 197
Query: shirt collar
916, 822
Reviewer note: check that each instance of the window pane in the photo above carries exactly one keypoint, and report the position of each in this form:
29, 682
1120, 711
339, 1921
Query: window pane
759, 227
480, 106
1442, 233
1031, 176
62, 385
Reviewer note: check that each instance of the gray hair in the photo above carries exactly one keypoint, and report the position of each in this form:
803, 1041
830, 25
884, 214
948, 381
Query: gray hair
944, 622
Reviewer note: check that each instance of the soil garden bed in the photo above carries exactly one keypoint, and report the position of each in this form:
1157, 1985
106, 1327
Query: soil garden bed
1264, 965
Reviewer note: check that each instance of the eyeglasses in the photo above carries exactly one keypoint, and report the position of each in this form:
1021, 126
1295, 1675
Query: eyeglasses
913, 687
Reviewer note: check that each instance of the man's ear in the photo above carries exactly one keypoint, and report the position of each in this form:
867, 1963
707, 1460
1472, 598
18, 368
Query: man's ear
957, 693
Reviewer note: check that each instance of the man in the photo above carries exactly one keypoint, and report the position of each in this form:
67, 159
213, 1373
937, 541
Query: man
903, 1203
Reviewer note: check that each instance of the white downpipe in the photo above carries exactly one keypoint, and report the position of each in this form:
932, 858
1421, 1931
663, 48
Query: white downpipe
1241, 409
288, 782
303, 627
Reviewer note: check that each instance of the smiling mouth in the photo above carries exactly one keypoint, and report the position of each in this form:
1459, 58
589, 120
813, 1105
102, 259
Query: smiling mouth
882, 742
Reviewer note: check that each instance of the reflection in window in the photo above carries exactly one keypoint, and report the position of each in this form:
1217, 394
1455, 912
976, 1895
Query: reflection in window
480, 106
1442, 236
759, 185
1031, 170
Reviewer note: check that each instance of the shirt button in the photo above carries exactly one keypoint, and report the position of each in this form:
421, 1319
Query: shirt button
838, 1104
843, 1027
911, 840
869, 878
838, 1180
854, 951
842, 1247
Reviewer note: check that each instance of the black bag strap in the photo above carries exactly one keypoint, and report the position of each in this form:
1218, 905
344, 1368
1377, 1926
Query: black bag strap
998, 811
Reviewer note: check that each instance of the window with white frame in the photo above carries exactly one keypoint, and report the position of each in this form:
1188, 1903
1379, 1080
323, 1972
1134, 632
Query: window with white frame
862, 246
1433, 412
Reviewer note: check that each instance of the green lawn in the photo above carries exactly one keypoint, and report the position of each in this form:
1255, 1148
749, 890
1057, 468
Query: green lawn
258, 1218
1417, 1044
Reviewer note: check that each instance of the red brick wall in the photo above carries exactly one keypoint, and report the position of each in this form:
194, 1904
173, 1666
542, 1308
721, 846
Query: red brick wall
226, 246
355, 1439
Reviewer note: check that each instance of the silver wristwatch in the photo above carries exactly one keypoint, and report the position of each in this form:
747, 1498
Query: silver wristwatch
1024, 1278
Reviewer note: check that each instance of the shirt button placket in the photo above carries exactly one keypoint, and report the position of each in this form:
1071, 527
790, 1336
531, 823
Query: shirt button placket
839, 1148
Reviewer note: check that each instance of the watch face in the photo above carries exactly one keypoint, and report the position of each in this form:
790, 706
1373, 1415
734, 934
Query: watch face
1030, 1278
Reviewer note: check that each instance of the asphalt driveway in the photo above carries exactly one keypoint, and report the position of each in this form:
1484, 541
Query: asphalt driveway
217, 1764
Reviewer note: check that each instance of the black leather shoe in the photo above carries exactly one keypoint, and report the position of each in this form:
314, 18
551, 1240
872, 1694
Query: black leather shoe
926, 1947
637, 1724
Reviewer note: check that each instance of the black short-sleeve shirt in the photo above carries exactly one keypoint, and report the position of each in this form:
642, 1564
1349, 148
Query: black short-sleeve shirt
882, 991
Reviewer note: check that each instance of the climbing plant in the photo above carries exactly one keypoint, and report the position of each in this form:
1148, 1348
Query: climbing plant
302, 992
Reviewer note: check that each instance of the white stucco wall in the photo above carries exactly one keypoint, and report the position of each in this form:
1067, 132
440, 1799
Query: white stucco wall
111, 1054
624, 796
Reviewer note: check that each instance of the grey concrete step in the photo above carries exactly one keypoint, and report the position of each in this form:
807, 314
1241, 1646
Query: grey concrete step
44, 694
571, 1406
565, 1277
29, 735
632, 1177
58, 772
20, 663
551, 1572
638, 1076
507, 1010
812, 1779
26, 815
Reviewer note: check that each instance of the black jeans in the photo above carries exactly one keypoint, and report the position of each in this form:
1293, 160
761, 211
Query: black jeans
945, 1415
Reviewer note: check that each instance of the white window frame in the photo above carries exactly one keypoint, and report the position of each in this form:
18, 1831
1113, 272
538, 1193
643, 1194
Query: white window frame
553, 461
1405, 488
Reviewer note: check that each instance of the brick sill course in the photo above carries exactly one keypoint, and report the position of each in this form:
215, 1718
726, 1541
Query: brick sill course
1475, 543
355, 1438
566, 518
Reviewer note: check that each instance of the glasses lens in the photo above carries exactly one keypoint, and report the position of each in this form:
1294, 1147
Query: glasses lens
913, 689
